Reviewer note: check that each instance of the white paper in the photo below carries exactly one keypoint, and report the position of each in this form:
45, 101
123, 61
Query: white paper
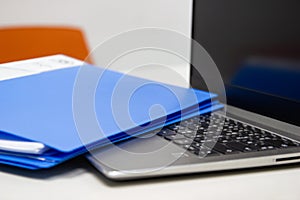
35, 66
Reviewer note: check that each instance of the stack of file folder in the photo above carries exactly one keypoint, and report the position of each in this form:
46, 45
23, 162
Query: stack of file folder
40, 109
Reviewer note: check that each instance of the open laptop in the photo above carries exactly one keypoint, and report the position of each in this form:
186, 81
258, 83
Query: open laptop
256, 46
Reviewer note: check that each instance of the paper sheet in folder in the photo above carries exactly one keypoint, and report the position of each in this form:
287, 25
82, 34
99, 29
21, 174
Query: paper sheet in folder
40, 108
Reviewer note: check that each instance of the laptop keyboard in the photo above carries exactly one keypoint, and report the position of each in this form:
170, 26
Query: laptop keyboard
214, 134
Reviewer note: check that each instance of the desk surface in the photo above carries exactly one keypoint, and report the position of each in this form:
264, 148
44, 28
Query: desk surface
77, 179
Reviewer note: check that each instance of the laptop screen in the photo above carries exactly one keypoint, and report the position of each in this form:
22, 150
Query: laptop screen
256, 47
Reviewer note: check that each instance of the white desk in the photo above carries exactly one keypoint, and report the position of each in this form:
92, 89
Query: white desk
77, 179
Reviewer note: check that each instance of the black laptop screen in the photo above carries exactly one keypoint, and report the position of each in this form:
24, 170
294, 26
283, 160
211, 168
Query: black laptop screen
256, 47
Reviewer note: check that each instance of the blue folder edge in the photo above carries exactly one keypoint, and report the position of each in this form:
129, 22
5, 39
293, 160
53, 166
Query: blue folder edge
55, 156
48, 161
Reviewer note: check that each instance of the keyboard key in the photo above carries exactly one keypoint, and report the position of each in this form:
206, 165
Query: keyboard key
173, 127
166, 132
183, 141
191, 149
276, 143
174, 137
207, 153
197, 145
239, 146
224, 149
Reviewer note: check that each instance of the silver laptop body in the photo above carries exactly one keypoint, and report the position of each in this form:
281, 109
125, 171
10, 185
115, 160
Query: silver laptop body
131, 160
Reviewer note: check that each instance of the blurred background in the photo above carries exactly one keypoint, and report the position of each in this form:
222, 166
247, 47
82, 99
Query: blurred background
101, 19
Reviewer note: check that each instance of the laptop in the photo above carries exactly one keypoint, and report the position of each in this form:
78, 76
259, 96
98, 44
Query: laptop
256, 47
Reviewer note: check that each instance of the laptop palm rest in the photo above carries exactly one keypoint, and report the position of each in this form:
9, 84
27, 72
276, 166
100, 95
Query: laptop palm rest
141, 154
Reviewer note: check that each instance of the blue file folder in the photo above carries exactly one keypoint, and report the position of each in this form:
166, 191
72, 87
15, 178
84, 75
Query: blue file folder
41, 108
